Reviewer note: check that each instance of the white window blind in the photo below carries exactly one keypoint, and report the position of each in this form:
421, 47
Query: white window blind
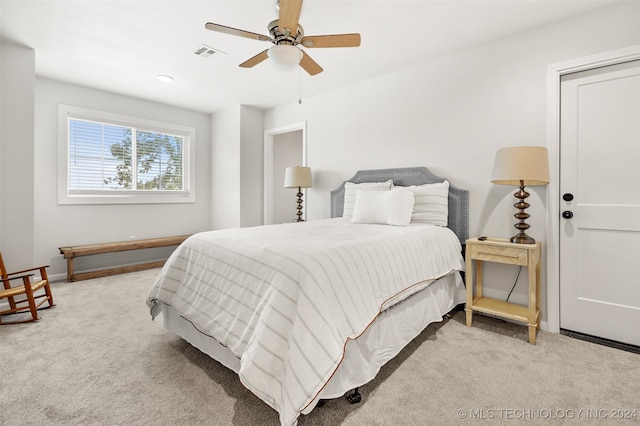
102, 157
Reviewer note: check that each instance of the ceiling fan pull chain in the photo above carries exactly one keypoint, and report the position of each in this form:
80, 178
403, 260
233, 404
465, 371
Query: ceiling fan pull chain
300, 85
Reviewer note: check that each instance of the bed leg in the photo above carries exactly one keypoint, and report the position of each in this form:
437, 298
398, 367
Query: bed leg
354, 396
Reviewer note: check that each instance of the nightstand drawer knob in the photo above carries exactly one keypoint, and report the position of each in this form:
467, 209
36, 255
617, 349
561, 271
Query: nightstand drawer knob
567, 214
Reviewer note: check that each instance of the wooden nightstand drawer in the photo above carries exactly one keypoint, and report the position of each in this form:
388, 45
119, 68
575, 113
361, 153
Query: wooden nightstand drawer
498, 254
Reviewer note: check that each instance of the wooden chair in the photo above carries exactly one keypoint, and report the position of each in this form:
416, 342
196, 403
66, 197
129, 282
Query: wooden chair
21, 297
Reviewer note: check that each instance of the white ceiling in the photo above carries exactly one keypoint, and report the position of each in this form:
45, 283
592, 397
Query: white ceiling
121, 46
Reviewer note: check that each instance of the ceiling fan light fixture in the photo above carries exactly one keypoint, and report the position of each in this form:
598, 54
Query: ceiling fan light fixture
285, 55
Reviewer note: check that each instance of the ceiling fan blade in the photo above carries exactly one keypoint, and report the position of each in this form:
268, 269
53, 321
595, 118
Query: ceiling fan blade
335, 40
255, 60
234, 31
289, 16
309, 65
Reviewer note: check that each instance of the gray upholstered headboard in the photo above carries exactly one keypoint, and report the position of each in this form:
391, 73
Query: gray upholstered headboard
458, 220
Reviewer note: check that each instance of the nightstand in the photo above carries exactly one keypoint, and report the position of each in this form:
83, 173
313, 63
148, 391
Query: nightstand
501, 250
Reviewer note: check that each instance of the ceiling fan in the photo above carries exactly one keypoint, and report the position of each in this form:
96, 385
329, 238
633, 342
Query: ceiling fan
286, 34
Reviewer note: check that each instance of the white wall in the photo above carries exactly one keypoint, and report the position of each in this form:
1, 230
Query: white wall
251, 166
451, 114
57, 225
237, 167
225, 168
17, 75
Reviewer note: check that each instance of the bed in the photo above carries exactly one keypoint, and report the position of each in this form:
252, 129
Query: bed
312, 310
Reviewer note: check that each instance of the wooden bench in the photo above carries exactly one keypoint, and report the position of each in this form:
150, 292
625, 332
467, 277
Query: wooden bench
71, 252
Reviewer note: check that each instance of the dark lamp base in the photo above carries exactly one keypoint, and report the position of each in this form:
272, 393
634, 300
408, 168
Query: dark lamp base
522, 215
522, 238
299, 208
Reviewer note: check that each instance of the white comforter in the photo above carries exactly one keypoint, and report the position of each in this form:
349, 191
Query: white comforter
286, 298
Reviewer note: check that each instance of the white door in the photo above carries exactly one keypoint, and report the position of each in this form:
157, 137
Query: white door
600, 202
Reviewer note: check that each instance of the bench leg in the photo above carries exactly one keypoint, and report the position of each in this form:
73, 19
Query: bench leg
70, 270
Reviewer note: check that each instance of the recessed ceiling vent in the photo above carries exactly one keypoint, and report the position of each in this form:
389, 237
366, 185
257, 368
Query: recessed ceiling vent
208, 52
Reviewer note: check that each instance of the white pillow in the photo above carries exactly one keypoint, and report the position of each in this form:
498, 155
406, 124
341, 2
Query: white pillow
431, 203
350, 189
392, 207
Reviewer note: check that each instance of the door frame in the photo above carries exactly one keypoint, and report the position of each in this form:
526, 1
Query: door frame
269, 136
554, 73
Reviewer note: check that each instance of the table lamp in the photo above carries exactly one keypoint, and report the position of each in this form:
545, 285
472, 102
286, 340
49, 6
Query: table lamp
521, 166
298, 177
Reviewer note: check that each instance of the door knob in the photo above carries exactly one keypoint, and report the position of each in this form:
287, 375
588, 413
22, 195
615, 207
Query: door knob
567, 214
567, 197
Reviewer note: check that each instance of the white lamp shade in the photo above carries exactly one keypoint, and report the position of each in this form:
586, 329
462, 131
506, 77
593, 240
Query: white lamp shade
284, 55
297, 177
529, 164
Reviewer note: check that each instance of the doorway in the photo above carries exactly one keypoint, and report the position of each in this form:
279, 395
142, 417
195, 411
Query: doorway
283, 147
554, 219
600, 202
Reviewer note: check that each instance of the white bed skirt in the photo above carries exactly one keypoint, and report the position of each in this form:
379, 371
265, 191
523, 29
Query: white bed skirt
384, 339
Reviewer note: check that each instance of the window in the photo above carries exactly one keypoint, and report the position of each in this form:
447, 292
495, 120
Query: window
108, 158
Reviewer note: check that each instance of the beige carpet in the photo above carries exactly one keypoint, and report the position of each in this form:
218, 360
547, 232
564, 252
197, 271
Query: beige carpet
98, 359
